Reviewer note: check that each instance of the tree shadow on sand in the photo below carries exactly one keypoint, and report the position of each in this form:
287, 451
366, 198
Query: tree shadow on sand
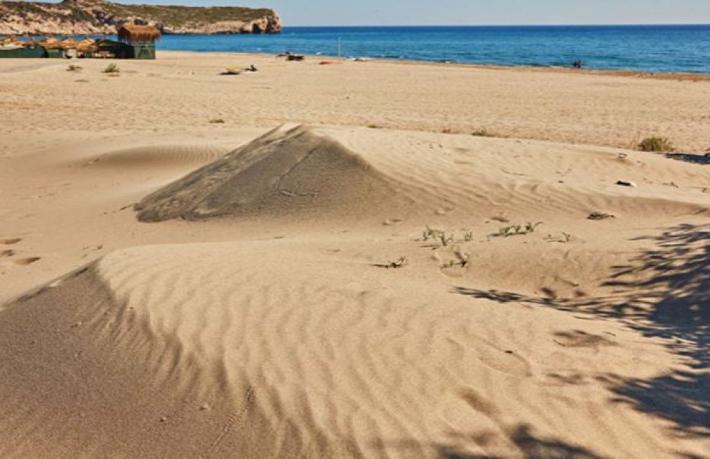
662, 292
690, 158
520, 438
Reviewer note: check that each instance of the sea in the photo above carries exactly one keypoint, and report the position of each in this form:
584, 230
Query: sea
648, 48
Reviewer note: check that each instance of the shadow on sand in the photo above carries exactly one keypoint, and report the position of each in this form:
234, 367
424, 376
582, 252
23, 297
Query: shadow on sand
521, 436
690, 158
662, 292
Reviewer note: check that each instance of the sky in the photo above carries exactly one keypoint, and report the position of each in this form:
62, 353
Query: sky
472, 12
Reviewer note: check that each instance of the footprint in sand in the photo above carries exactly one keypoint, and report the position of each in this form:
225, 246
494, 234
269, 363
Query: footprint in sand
581, 339
10, 241
495, 358
27, 261
7, 253
506, 362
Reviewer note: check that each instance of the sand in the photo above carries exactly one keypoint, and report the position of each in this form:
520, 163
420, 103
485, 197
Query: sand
171, 286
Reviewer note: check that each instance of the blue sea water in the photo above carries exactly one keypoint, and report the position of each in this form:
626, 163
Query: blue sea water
679, 48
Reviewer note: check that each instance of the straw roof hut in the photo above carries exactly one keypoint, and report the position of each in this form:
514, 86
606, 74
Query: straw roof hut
86, 46
140, 39
134, 33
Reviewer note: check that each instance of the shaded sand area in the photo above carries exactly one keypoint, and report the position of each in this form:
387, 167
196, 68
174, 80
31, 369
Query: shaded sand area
170, 286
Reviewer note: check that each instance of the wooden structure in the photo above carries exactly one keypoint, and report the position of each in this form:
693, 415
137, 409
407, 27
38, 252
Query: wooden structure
140, 38
22, 52
134, 42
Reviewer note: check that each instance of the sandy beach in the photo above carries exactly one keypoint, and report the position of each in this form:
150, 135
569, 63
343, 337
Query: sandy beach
351, 259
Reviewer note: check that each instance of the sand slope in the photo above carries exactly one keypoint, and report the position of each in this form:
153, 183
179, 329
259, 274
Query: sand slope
288, 170
330, 322
184, 350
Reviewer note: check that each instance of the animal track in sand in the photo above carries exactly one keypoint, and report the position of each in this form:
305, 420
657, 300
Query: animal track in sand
27, 261
7, 253
10, 241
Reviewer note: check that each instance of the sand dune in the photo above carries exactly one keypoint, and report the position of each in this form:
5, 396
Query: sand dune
329, 290
297, 170
280, 355
286, 170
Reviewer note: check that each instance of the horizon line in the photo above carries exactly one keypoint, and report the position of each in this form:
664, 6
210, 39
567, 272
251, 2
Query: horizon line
639, 24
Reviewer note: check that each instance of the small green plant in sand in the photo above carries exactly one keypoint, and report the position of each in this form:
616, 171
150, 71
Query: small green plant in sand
440, 236
73, 68
401, 262
461, 259
656, 144
443, 238
518, 230
112, 69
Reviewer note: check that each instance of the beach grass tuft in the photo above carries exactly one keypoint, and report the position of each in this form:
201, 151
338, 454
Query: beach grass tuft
112, 68
656, 144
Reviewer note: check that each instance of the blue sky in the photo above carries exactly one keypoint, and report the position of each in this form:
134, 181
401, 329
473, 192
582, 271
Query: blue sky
473, 12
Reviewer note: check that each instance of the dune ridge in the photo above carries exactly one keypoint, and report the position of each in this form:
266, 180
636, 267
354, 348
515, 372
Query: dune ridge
299, 171
286, 170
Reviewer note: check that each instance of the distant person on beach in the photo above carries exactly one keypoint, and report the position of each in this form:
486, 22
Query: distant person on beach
578, 64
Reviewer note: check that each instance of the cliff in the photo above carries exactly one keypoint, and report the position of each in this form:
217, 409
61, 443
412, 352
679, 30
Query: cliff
81, 17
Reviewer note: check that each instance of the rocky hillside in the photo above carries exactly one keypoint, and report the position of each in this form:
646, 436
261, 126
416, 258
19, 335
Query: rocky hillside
72, 17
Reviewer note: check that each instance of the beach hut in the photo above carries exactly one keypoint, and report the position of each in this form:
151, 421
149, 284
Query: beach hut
12, 50
69, 46
86, 48
111, 49
53, 48
140, 38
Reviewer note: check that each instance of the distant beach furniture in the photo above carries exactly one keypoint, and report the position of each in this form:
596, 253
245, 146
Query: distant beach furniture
291, 56
134, 42
141, 38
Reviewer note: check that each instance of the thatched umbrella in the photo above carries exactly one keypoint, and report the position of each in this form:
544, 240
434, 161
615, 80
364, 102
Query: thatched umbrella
51, 43
134, 33
68, 44
87, 46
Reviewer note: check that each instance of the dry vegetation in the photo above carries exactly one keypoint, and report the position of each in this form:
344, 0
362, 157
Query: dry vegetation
112, 69
518, 230
656, 144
